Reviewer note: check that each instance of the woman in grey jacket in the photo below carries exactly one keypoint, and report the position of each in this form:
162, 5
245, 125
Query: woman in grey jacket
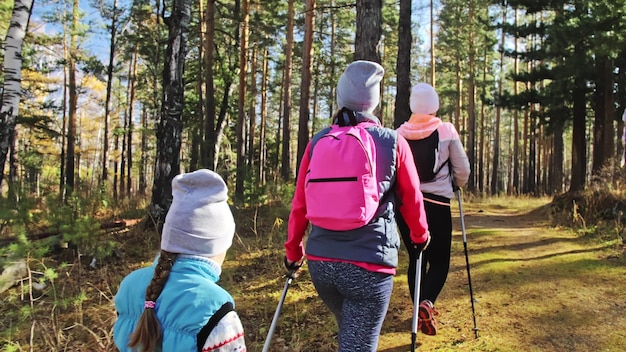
450, 168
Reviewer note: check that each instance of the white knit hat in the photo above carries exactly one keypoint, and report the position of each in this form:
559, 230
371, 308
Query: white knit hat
424, 99
358, 88
199, 221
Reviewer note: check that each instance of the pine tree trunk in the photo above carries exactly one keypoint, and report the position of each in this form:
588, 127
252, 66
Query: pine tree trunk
170, 124
558, 153
515, 185
524, 152
131, 124
482, 163
603, 132
263, 126
621, 101
208, 148
369, 19
241, 117
279, 129
63, 125
579, 154
143, 161
252, 109
286, 142
496, 183
458, 102
402, 110
305, 95
532, 153
195, 132
116, 170
123, 156
471, 104
107, 102
73, 102
126, 121
433, 79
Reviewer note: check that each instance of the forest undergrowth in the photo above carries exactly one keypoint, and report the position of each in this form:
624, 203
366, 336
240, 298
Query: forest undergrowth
548, 274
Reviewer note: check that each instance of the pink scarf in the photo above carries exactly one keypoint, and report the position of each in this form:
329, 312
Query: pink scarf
419, 126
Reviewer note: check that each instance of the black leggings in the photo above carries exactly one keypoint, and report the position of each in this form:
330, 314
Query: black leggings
436, 257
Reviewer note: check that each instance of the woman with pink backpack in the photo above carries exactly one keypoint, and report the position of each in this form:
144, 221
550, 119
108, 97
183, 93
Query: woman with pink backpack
354, 177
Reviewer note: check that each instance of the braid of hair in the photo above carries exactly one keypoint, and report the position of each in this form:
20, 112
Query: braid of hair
345, 117
147, 334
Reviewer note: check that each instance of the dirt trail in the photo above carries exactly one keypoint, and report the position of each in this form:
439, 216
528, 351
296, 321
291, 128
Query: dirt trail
536, 288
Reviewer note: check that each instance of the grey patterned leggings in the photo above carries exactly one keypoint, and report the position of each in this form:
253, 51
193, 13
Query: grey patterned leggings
358, 298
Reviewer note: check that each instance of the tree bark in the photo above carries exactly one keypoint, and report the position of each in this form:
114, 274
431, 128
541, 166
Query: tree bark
579, 154
496, 183
107, 102
208, 148
471, 104
143, 160
369, 19
263, 126
170, 124
556, 175
252, 109
286, 142
402, 110
432, 43
516, 164
305, 95
11, 90
603, 132
73, 102
131, 124
241, 117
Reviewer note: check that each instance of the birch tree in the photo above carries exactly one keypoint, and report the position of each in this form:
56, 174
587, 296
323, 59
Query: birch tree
10, 99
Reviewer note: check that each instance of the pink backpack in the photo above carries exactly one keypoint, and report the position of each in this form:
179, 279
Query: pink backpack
341, 189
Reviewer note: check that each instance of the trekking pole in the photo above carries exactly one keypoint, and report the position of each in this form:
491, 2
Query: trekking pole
469, 276
416, 300
290, 277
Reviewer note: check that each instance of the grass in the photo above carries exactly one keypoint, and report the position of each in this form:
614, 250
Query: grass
537, 287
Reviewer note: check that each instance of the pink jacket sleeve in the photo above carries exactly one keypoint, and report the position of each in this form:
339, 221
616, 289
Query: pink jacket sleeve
298, 223
411, 200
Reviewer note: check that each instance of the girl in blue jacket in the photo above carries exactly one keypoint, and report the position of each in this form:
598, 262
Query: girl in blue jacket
176, 304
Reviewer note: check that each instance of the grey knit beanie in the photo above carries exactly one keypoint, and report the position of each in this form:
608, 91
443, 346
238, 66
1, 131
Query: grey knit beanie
199, 221
424, 99
358, 88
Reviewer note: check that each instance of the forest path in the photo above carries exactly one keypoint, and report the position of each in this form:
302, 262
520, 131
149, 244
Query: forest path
536, 288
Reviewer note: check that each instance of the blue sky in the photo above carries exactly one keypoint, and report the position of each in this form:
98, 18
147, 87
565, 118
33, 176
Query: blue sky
97, 42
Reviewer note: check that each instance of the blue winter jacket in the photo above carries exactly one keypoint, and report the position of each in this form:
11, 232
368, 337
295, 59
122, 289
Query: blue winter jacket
189, 299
